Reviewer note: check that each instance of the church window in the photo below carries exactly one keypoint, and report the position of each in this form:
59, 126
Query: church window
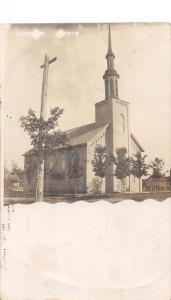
106, 89
121, 124
56, 164
116, 87
63, 164
111, 87
50, 164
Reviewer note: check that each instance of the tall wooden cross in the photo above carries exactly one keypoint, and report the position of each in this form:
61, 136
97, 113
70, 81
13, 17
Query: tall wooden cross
40, 167
45, 67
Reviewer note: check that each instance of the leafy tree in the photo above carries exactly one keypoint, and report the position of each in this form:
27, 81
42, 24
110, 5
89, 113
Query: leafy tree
96, 185
30, 167
43, 136
99, 162
122, 163
139, 167
75, 169
157, 170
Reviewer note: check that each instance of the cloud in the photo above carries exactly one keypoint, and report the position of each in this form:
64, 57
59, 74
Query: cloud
61, 33
35, 33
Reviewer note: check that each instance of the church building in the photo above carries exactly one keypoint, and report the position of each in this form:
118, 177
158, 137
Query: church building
110, 129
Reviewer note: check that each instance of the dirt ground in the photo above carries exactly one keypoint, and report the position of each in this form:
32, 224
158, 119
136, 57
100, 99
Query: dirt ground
112, 198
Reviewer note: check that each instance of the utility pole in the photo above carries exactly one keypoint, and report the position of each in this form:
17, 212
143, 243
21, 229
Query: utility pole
40, 167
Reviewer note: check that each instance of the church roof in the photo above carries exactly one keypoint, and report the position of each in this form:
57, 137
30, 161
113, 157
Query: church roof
137, 143
109, 72
79, 135
83, 134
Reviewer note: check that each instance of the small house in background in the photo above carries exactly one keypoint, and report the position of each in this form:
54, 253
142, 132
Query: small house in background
13, 182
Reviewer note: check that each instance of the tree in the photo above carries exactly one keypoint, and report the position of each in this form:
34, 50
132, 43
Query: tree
139, 167
75, 169
43, 136
99, 161
157, 170
122, 163
30, 167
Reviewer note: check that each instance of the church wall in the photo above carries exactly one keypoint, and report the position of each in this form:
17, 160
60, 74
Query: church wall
103, 112
63, 159
104, 115
60, 160
120, 124
93, 181
30, 174
114, 112
134, 184
29, 186
121, 138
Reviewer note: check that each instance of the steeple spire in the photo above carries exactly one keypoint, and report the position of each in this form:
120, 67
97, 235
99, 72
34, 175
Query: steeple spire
110, 52
111, 76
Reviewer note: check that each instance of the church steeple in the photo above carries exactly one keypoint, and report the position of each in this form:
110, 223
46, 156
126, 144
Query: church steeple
110, 52
111, 76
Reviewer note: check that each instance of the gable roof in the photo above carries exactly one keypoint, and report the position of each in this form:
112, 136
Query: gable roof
137, 143
78, 136
83, 134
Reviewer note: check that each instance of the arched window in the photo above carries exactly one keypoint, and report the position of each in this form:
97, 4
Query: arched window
63, 164
106, 89
111, 88
121, 124
116, 87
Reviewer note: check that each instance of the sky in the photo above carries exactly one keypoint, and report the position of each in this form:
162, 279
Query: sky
75, 83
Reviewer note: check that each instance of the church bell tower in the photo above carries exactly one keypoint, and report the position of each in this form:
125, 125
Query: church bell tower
114, 112
111, 76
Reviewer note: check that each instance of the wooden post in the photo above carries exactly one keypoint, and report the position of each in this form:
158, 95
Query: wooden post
44, 88
40, 167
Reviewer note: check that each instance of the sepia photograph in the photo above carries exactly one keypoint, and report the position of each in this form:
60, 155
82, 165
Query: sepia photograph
87, 161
